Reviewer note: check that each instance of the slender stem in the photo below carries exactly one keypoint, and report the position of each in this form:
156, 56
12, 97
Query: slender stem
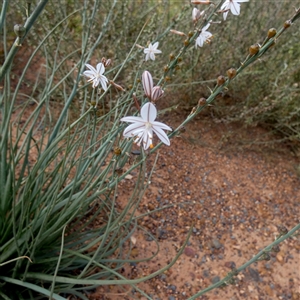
16, 45
3, 13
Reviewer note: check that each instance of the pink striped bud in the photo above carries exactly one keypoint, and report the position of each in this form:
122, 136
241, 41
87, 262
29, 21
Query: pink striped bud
147, 83
156, 93
197, 14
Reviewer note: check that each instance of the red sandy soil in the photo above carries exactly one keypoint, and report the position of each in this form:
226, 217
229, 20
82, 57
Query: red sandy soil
235, 191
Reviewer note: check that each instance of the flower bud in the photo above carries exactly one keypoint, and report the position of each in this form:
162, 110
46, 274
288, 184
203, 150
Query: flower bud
156, 93
200, 2
253, 49
191, 33
93, 103
220, 80
196, 14
117, 86
147, 83
202, 102
287, 24
107, 63
19, 30
271, 32
186, 42
167, 78
177, 32
166, 68
231, 73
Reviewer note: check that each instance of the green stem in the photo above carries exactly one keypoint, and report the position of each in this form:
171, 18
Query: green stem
16, 46
3, 13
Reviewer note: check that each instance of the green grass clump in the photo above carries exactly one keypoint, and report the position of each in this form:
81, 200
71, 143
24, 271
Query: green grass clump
60, 230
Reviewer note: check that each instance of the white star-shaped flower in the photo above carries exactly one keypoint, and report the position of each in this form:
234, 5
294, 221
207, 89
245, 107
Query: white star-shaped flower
203, 36
96, 75
233, 6
151, 51
143, 127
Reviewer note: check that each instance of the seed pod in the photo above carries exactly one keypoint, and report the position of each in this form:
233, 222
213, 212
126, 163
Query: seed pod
220, 80
166, 68
287, 24
119, 171
275, 249
93, 103
282, 229
117, 151
202, 101
186, 42
19, 30
271, 32
167, 78
231, 73
253, 49
191, 33
171, 56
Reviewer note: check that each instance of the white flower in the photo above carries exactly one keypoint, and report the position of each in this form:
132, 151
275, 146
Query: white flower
96, 75
233, 6
152, 93
144, 126
203, 36
151, 51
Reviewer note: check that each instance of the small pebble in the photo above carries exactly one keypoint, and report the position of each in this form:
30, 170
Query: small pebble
216, 244
254, 274
215, 279
172, 288
188, 251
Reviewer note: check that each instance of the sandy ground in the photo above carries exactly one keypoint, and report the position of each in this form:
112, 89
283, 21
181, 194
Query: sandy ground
234, 192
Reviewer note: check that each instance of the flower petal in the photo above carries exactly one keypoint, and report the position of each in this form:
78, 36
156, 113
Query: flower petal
134, 129
235, 8
156, 124
155, 45
161, 135
91, 68
205, 27
148, 112
133, 120
103, 80
225, 15
147, 139
152, 56
100, 68
89, 73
